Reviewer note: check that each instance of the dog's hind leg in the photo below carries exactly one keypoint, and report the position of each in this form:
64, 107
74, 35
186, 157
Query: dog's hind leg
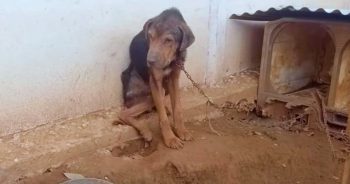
128, 116
140, 126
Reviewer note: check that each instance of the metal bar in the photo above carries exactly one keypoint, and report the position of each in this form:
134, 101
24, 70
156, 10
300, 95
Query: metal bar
346, 174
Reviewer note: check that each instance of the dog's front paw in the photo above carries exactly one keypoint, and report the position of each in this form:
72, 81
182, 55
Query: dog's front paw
184, 134
174, 143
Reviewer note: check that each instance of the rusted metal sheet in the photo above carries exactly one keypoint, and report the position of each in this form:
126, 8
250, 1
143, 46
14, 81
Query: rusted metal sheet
343, 87
346, 174
306, 63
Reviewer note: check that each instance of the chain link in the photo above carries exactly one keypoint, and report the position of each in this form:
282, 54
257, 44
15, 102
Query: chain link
209, 100
196, 85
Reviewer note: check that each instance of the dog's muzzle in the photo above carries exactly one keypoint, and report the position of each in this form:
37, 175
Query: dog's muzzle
151, 63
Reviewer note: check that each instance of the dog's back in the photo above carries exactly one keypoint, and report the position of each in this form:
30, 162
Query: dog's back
135, 78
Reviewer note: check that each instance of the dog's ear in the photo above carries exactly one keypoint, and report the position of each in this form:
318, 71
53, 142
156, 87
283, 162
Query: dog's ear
187, 37
147, 26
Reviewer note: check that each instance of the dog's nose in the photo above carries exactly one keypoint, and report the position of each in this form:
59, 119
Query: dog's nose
150, 62
152, 57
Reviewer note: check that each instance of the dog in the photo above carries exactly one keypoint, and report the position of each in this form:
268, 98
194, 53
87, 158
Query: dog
152, 77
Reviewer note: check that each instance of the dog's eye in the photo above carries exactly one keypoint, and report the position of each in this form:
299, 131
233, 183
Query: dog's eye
168, 40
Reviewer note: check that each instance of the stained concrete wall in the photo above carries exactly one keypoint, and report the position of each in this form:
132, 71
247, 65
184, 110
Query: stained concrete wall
63, 58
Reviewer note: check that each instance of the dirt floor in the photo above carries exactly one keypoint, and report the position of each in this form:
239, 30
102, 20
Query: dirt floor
249, 150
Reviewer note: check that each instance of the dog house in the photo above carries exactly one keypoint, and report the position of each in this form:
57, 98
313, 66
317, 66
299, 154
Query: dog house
305, 60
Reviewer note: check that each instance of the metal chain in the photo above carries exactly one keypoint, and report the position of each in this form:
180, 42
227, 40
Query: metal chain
240, 106
196, 85
209, 100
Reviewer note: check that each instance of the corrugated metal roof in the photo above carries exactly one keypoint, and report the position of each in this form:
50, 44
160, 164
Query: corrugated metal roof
292, 12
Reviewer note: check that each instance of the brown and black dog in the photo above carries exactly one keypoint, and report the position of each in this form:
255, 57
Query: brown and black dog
153, 73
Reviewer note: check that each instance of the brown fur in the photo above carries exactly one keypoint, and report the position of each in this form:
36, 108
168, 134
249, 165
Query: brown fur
165, 39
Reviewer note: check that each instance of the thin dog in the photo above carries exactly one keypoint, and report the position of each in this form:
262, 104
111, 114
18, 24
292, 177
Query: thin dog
153, 75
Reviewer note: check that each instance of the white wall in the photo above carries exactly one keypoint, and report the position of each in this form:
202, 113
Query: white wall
63, 58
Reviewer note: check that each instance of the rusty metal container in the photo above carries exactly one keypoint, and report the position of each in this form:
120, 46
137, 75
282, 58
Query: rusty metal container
303, 56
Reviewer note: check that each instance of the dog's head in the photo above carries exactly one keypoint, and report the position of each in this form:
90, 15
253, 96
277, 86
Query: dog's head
168, 35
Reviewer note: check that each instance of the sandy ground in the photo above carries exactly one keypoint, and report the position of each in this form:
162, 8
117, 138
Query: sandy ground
250, 150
